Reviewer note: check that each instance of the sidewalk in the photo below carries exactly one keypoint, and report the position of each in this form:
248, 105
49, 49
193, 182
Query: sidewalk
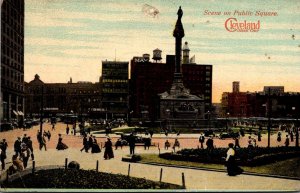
194, 179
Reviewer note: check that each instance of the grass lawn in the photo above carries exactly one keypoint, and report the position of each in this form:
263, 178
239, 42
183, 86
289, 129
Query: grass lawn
290, 167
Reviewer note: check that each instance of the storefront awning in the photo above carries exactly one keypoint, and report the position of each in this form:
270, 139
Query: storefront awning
15, 112
21, 113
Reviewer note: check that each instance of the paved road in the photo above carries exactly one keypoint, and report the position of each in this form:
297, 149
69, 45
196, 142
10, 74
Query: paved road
195, 179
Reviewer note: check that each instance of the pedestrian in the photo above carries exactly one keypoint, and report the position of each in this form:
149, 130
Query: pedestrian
53, 126
292, 136
29, 145
176, 144
259, 135
287, 141
210, 144
24, 139
17, 146
167, 144
95, 146
74, 129
2, 159
60, 145
67, 129
118, 144
42, 141
237, 143
250, 142
17, 163
232, 168
131, 141
279, 136
202, 139
108, 153
85, 144
48, 135
254, 142
147, 141
25, 154
3, 147
151, 133
90, 142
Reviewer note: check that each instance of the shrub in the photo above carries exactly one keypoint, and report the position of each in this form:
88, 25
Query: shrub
74, 165
244, 156
84, 179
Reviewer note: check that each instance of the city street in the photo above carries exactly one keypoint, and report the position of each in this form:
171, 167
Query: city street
195, 179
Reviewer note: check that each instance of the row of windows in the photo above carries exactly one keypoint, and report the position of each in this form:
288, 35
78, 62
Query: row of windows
8, 62
13, 6
12, 30
115, 65
15, 44
197, 79
194, 71
115, 80
12, 74
12, 84
109, 90
109, 85
85, 92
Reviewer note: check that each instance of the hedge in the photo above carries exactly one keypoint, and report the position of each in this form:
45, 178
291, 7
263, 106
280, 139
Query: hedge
84, 179
244, 156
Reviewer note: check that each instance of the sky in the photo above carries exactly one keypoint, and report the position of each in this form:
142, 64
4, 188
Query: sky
71, 38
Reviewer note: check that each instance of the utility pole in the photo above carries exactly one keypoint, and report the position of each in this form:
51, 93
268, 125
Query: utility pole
42, 110
297, 127
269, 117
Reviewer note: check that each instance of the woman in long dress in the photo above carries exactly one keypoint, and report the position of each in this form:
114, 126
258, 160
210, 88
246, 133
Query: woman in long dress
108, 153
95, 146
232, 168
60, 144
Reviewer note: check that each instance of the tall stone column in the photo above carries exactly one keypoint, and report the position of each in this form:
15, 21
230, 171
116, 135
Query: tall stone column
178, 33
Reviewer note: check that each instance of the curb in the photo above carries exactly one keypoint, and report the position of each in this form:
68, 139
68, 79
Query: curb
219, 170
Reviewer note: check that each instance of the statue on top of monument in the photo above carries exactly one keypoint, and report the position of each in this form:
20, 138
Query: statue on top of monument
179, 31
179, 13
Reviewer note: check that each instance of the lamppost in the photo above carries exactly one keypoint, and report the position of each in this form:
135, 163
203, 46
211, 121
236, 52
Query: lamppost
297, 129
269, 118
227, 115
42, 109
208, 118
168, 116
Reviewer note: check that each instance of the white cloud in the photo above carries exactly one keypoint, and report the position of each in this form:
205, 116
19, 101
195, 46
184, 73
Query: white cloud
44, 20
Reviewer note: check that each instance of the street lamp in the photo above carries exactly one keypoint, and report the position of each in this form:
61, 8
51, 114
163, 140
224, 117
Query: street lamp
227, 121
42, 110
297, 132
168, 116
269, 117
208, 117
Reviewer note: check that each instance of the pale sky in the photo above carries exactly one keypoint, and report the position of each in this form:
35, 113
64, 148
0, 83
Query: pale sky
70, 38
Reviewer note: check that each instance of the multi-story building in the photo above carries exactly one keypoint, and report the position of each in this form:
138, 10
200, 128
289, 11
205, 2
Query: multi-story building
12, 59
79, 98
115, 88
273, 90
148, 79
255, 104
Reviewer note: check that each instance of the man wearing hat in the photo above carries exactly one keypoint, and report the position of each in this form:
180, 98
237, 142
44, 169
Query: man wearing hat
17, 146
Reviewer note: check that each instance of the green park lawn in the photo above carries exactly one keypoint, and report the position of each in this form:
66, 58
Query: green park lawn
289, 167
